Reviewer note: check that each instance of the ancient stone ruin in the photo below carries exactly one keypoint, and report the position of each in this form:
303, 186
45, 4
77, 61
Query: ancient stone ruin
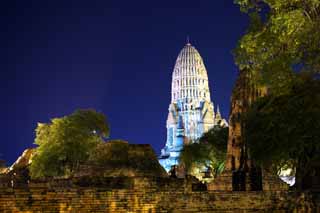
129, 187
128, 178
241, 173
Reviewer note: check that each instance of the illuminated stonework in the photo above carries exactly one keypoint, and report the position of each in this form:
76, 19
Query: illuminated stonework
191, 112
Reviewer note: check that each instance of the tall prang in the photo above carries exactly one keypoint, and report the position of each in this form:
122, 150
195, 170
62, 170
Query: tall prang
241, 173
191, 112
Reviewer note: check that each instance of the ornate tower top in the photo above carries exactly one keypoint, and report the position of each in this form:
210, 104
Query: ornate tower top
188, 41
189, 78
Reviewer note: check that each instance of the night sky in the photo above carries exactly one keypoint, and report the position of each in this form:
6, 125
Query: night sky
111, 55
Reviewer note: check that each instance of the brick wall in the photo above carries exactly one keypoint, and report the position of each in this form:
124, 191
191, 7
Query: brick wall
141, 195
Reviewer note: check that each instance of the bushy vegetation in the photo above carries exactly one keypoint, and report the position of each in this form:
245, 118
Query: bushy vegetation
282, 40
281, 49
66, 142
284, 131
209, 152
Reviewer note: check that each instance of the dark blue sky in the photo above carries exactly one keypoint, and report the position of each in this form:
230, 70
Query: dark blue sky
114, 56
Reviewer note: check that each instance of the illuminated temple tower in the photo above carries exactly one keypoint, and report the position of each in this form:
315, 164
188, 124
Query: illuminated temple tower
191, 112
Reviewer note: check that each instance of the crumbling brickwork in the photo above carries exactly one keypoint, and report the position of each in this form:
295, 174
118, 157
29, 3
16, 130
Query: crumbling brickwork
241, 174
132, 194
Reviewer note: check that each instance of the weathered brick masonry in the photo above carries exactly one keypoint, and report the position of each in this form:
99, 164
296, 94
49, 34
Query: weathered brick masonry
142, 195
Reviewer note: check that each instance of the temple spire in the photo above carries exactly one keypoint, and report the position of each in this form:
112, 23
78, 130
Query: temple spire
190, 105
188, 40
218, 115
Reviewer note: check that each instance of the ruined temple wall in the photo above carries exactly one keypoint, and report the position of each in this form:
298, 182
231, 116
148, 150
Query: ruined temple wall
139, 195
245, 92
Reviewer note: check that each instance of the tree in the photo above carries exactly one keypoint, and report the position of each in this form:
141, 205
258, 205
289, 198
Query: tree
282, 40
283, 131
208, 152
281, 49
66, 142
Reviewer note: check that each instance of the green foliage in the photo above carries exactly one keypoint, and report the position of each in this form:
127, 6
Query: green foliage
209, 151
66, 142
194, 154
281, 47
283, 131
283, 39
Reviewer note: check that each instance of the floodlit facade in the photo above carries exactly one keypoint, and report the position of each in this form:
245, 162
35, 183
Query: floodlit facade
191, 112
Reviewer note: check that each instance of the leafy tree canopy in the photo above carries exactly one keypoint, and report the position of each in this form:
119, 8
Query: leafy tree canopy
283, 131
65, 142
209, 151
282, 40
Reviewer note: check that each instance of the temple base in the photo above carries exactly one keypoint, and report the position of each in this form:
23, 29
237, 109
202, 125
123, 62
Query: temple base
222, 183
243, 181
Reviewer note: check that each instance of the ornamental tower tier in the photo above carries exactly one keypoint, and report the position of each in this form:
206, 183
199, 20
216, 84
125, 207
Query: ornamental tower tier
191, 112
189, 78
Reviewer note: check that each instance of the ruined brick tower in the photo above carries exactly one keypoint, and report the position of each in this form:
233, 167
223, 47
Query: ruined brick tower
241, 174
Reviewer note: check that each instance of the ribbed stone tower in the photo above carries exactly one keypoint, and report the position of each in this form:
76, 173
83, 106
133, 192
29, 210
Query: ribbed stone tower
191, 112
